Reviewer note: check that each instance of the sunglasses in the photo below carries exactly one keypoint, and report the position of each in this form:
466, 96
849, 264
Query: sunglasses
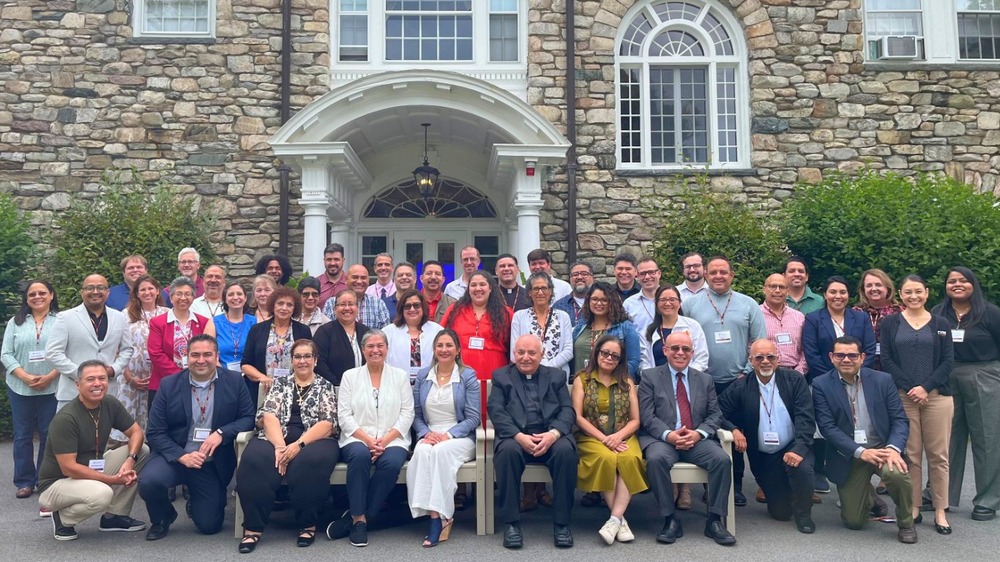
610, 355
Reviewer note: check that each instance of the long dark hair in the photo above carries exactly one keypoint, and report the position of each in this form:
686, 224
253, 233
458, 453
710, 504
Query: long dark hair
246, 297
25, 310
496, 309
134, 307
286, 267
977, 302
620, 372
399, 321
616, 312
657, 317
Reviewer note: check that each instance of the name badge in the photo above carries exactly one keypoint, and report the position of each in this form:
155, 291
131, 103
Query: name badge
860, 437
477, 343
413, 375
145, 355
96, 464
878, 349
771, 438
281, 373
234, 366
201, 433
723, 337
36, 356
184, 362
958, 336
784, 339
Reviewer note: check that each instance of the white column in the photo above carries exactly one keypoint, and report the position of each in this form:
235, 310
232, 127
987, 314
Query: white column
527, 204
512, 239
340, 234
315, 206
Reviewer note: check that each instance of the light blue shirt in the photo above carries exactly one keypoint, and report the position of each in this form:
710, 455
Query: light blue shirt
730, 326
778, 420
687, 388
203, 394
641, 310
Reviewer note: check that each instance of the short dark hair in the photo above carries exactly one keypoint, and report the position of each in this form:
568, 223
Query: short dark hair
836, 279
589, 267
285, 293
850, 340
88, 364
334, 248
626, 256
204, 337
797, 259
691, 255
308, 282
511, 256
403, 264
717, 257
646, 258
539, 254
428, 263
399, 321
246, 296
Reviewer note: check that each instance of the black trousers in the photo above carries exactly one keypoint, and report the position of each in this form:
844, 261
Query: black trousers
739, 467
707, 454
788, 489
205, 486
509, 460
308, 478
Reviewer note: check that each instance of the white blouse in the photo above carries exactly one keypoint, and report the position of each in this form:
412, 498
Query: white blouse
361, 406
399, 345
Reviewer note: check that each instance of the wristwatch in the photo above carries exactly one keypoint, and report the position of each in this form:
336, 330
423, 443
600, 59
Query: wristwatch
219, 431
134, 457
302, 444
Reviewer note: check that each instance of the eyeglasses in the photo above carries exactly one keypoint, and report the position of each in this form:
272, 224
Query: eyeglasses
684, 348
579, 274
301, 356
187, 262
610, 355
648, 273
774, 287
669, 300
759, 358
469, 260
694, 266
412, 306
842, 356
95, 288
182, 295
599, 301
540, 289
346, 305
310, 295
38, 294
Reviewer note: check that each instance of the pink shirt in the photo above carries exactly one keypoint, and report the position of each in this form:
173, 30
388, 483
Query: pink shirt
786, 333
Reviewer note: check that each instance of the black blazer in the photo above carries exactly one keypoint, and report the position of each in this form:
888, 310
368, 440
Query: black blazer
335, 354
507, 399
170, 418
255, 350
944, 355
740, 404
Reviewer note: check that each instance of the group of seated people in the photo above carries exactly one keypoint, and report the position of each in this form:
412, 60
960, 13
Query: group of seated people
609, 402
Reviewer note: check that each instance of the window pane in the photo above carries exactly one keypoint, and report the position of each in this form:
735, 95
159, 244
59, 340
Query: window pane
503, 5
183, 17
503, 37
979, 35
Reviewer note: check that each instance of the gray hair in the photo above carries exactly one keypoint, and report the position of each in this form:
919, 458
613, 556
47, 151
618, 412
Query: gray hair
181, 282
373, 333
189, 250
539, 275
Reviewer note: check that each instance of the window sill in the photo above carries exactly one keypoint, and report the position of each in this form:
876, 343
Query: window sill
924, 66
686, 172
171, 41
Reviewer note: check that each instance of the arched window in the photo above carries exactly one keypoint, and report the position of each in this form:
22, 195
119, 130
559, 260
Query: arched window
682, 85
451, 200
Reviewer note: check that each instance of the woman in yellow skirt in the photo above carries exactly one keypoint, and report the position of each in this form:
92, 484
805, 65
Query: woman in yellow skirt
607, 413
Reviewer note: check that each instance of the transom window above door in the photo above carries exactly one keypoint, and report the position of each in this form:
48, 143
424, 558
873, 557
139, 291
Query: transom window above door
451, 200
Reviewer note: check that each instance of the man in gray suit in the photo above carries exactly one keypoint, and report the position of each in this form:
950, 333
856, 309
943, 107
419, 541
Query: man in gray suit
89, 331
680, 415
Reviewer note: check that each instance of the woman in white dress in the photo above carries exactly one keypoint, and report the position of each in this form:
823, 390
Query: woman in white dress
145, 303
446, 414
411, 334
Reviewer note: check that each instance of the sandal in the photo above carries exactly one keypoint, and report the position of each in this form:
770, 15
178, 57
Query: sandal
434, 535
446, 529
249, 542
306, 537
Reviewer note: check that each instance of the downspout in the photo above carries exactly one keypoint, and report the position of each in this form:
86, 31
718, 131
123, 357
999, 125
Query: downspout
571, 129
286, 94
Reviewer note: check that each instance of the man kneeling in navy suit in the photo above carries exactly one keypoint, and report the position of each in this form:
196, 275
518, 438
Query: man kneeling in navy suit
193, 421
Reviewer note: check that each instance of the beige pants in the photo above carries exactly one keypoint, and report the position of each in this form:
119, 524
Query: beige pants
930, 434
78, 500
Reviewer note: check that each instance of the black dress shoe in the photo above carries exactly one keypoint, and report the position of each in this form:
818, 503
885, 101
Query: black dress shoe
716, 531
739, 499
512, 537
805, 524
879, 509
980, 513
942, 529
172, 494
562, 536
918, 519
160, 530
670, 532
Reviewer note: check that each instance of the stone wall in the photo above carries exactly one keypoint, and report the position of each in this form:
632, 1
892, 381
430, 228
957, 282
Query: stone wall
815, 106
80, 95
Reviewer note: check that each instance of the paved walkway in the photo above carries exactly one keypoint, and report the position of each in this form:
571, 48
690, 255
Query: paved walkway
26, 537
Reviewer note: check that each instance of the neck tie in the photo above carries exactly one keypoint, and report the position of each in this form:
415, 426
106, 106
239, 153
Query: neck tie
683, 405
383, 292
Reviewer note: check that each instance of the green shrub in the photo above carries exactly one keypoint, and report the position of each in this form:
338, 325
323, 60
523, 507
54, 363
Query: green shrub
129, 216
922, 224
712, 223
16, 249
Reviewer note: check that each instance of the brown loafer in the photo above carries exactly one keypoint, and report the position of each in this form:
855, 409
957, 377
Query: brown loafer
908, 535
684, 497
24, 492
760, 496
816, 498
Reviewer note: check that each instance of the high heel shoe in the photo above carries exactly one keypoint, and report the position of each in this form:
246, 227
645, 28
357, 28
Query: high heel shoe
445, 529
434, 535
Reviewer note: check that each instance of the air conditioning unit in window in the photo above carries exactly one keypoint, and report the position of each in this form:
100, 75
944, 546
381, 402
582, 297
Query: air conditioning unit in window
899, 47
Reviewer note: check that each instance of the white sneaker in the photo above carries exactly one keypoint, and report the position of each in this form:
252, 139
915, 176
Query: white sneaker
609, 531
624, 533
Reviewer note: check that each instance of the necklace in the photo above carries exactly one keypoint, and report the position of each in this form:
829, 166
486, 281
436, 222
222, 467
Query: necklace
302, 391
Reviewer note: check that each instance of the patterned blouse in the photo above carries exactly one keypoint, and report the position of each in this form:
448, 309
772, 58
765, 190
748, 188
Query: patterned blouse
318, 404
552, 336
139, 365
610, 416
279, 353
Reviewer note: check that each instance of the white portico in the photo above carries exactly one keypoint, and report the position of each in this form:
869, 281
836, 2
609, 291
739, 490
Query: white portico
356, 148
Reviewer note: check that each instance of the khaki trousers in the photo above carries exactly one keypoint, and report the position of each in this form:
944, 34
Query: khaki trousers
930, 434
857, 495
77, 500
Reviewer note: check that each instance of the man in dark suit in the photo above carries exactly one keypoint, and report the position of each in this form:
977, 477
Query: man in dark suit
680, 415
193, 422
533, 419
859, 413
771, 415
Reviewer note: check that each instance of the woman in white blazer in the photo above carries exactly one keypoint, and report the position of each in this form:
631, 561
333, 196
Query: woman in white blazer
411, 334
375, 411
667, 320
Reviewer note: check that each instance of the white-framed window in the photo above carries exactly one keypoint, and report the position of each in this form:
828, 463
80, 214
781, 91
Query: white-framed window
447, 32
174, 18
682, 87
901, 30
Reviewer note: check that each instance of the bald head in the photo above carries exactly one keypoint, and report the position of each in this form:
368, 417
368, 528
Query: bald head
764, 358
679, 350
528, 354
357, 280
775, 291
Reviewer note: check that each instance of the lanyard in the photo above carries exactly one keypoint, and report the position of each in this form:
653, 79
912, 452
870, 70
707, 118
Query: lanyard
213, 310
852, 396
237, 338
478, 320
203, 407
722, 315
767, 409
780, 319
594, 336
548, 321
97, 435
577, 309
97, 324
642, 301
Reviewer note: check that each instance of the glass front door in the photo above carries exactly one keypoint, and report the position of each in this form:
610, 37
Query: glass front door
417, 247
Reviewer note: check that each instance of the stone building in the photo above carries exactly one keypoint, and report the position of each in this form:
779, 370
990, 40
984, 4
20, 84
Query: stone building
761, 94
